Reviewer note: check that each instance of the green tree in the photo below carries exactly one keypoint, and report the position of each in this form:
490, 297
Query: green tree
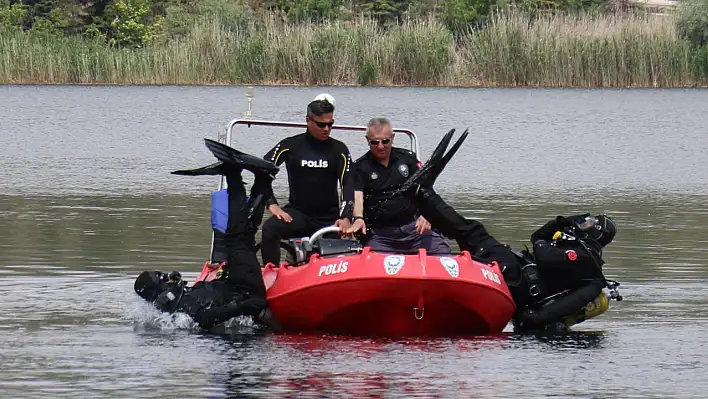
457, 15
385, 11
692, 21
12, 14
307, 10
133, 23
553, 5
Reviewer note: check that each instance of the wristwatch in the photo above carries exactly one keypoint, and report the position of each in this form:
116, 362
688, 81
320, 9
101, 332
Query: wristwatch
357, 217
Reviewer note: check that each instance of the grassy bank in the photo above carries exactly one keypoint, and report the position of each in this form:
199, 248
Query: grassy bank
513, 49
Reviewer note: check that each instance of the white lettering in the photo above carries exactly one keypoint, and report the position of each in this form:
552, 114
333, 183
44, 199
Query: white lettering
490, 275
314, 164
334, 268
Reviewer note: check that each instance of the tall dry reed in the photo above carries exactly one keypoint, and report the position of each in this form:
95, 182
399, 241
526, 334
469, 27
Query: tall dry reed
513, 49
593, 50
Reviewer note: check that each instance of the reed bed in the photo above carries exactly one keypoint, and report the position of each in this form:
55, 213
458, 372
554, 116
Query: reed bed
511, 50
637, 50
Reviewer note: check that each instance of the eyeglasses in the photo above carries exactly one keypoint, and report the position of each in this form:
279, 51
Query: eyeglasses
323, 124
376, 142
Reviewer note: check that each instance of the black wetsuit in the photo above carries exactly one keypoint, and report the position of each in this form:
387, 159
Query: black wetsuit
208, 302
315, 170
565, 262
473, 237
240, 290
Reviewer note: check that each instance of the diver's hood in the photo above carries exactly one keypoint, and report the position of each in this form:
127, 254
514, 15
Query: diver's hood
600, 228
149, 285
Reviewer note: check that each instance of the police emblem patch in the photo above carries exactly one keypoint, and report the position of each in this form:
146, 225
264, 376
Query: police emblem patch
374, 176
403, 169
451, 266
393, 264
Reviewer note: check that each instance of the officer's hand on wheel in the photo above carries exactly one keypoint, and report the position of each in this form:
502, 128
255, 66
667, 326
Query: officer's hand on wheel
278, 212
343, 225
358, 225
422, 226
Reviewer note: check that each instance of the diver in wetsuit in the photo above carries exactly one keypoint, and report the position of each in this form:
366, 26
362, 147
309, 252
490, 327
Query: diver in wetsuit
567, 252
239, 290
316, 165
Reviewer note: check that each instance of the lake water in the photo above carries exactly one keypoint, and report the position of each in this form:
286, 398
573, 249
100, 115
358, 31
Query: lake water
87, 202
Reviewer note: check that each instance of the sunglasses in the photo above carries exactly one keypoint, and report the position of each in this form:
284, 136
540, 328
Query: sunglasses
323, 124
376, 142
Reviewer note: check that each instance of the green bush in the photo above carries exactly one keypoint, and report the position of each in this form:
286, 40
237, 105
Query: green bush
12, 15
700, 63
692, 21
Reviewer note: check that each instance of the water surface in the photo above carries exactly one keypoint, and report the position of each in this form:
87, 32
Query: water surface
87, 202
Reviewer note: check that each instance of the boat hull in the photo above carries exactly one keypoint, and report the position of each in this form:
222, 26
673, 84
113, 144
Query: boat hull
375, 293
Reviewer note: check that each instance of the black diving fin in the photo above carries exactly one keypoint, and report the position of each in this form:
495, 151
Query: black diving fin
231, 156
218, 168
429, 172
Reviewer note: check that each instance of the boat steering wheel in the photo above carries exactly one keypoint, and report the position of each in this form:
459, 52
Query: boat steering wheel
319, 233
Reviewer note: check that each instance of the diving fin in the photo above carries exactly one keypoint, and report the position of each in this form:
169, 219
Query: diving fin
439, 150
429, 178
430, 171
218, 168
231, 156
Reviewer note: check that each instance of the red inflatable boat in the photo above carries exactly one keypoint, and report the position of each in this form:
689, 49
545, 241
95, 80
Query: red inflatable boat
390, 294
337, 286
340, 288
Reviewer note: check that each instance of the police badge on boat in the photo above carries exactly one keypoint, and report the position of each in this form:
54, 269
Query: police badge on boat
451, 266
393, 264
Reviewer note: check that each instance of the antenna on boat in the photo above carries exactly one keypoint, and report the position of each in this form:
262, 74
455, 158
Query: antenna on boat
249, 96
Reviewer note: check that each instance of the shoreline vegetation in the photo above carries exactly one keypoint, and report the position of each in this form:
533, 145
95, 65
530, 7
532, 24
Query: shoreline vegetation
632, 49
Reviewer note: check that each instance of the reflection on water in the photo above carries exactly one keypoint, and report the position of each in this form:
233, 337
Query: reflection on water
86, 203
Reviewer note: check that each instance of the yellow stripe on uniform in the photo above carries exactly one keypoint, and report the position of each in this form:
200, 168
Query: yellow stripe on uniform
341, 178
275, 161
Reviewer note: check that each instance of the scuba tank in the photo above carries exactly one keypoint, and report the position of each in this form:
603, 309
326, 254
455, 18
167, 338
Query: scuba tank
594, 308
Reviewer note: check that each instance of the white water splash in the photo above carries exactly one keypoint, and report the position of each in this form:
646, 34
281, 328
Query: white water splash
145, 316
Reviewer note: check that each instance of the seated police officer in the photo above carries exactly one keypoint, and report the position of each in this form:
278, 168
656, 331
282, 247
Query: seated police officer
393, 224
239, 289
317, 166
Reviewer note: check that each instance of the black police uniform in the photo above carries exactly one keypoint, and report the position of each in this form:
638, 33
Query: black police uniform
379, 182
315, 170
